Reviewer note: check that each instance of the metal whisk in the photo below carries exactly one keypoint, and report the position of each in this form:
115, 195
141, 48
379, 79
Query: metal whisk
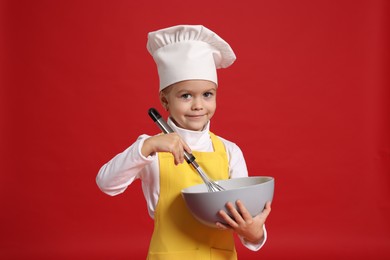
211, 185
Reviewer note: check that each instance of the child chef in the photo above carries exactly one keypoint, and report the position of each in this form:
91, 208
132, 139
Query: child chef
187, 58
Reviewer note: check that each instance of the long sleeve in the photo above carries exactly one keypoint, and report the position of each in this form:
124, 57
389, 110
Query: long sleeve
114, 176
255, 247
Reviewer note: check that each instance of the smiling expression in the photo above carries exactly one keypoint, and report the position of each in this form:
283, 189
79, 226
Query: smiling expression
191, 103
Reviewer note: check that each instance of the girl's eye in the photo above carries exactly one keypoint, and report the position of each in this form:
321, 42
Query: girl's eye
186, 96
208, 94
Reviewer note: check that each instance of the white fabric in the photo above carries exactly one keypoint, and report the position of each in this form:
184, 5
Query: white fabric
116, 175
187, 52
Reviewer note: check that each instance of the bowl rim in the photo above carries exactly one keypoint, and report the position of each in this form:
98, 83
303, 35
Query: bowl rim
270, 178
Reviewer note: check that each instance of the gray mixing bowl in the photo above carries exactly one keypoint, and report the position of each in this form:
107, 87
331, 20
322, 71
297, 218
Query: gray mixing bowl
254, 192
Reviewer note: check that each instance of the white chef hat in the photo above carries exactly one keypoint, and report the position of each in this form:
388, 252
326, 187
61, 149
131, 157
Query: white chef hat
186, 52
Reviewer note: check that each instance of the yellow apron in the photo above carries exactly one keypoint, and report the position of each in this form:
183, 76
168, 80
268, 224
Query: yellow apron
177, 234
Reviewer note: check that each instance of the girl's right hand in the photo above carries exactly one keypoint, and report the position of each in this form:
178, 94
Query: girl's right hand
171, 143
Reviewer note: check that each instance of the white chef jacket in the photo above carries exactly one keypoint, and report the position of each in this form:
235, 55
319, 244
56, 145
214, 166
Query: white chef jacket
116, 175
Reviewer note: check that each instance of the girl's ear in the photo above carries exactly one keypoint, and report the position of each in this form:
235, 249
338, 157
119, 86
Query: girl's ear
163, 100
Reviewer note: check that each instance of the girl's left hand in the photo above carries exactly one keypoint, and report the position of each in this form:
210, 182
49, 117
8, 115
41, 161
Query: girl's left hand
250, 228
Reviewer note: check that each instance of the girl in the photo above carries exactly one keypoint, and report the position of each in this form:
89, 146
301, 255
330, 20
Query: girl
187, 59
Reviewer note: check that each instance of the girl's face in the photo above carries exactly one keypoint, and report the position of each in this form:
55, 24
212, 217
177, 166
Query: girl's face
191, 103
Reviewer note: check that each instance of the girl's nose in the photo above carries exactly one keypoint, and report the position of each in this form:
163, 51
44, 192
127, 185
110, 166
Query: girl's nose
197, 104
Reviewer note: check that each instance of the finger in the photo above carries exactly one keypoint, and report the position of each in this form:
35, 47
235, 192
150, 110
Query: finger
178, 151
229, 221
235, 214
244, 212
180, 154
221, 226
268, 205
266, 211
186, 147
267, 208
180, 147
176, 155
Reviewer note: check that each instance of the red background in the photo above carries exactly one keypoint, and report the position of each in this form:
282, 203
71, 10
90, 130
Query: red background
307, 101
